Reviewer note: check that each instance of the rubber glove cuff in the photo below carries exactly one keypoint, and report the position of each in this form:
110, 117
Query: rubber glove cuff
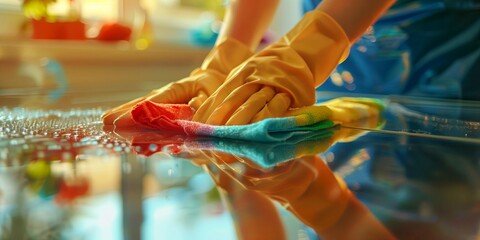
300, 61
226, 56
319, 35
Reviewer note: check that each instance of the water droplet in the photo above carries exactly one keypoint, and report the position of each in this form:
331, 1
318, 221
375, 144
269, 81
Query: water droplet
153, 147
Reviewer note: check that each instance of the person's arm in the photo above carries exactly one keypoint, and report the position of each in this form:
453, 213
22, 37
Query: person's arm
247, 21
354, 16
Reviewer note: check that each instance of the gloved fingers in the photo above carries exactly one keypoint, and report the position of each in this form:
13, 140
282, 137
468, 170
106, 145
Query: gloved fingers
124, 120
202, 113
220, 113
277, 107
206, 109
113, 114
176, 92
182, 92
245, 113
231, 103
109, 119
123, 106
154, 95
197, 101
109, 116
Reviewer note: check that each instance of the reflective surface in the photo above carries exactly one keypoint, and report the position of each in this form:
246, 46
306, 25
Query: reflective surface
63, 176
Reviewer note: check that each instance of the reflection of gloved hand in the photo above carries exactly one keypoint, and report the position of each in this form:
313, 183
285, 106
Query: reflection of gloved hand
308, 189
255, 215
282, 76
194, 89
306, 186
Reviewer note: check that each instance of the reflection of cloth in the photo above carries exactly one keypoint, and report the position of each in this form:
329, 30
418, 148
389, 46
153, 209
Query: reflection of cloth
300, 124
267, 155
263, 154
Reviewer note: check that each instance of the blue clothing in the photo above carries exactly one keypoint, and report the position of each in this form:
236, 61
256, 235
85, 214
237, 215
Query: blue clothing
418, 48
425, 48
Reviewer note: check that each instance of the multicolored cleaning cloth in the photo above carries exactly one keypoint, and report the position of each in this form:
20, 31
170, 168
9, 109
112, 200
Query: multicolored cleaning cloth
300, 123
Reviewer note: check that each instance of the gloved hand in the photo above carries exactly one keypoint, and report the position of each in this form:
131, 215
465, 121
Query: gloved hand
279, 77
194, 89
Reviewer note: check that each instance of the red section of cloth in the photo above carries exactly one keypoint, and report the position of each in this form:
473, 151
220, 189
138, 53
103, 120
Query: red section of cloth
161, 116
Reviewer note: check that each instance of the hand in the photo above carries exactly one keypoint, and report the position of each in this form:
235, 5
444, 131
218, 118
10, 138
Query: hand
194, 89
280, 77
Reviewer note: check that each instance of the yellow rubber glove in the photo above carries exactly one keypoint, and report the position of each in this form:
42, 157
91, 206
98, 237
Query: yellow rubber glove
194, 89
281, 76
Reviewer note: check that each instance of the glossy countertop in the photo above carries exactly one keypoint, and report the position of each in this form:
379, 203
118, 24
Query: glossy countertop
414, 173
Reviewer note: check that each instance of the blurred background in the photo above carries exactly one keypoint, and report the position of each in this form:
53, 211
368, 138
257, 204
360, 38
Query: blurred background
124, 48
